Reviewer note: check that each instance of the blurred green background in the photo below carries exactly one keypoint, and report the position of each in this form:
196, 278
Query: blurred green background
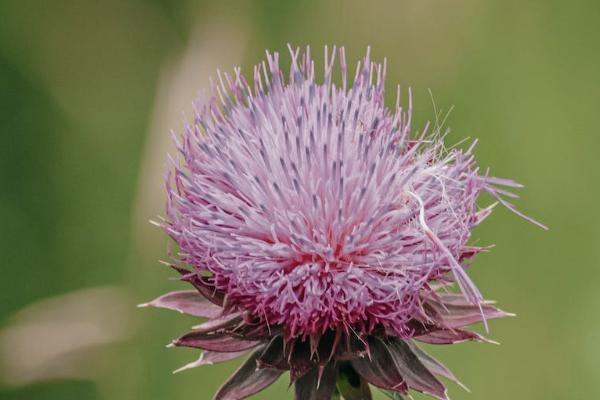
89, 91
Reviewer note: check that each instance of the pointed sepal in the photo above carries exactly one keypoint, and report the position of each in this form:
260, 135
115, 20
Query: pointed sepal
317, 384
247, 380
188, 302
220, 342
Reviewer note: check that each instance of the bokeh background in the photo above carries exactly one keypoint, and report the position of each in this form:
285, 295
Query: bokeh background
89, 91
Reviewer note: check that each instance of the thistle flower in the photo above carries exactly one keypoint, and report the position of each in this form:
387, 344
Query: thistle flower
322, 235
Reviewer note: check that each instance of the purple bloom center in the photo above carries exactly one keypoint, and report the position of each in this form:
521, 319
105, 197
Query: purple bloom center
313, 206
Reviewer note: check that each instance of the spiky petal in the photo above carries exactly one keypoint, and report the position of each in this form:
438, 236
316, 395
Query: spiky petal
323, 234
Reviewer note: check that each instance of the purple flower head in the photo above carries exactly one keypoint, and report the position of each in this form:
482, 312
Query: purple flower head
324, 232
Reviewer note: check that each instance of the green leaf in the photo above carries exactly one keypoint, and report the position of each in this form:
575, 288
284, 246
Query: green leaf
392, 395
